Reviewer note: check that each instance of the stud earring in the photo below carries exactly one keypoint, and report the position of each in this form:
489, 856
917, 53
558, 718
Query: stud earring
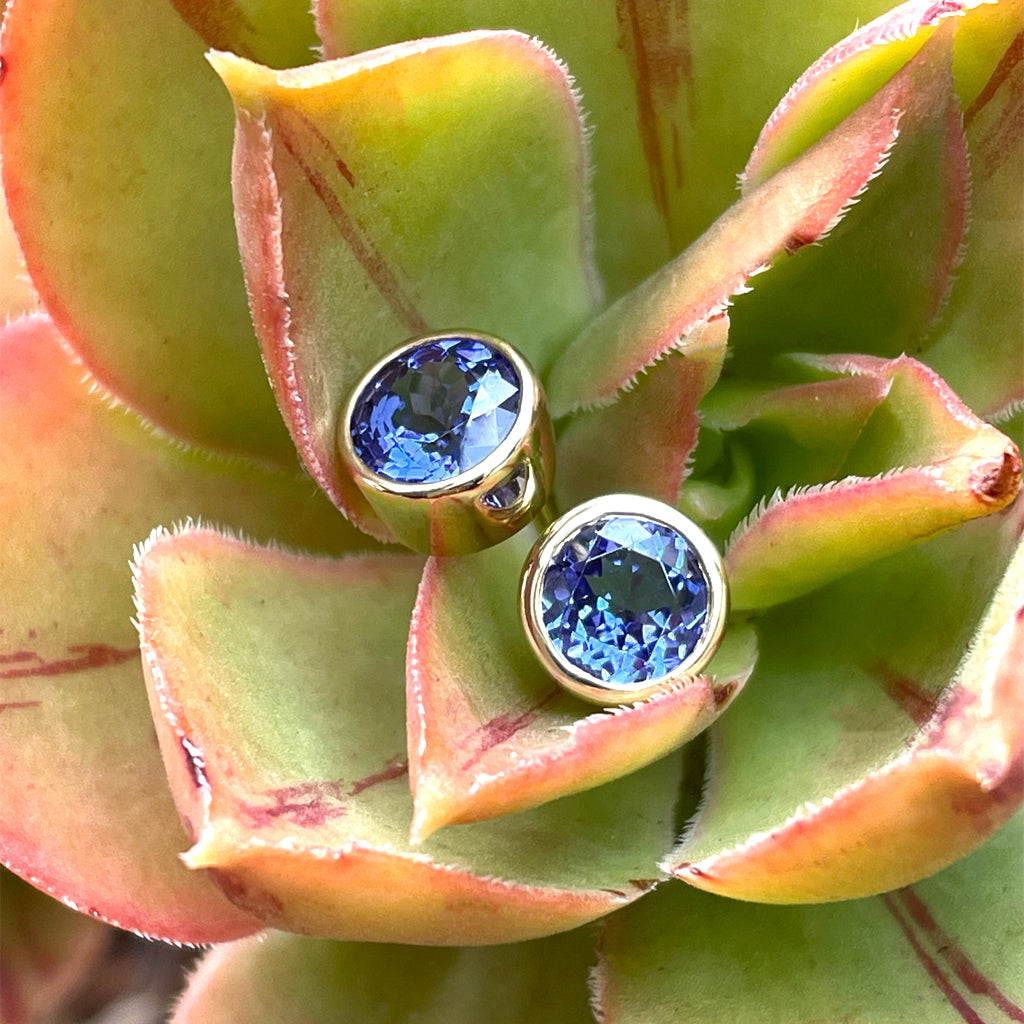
449, 440
622, 597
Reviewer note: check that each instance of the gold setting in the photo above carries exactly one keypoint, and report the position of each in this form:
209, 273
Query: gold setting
451, 517
570, 676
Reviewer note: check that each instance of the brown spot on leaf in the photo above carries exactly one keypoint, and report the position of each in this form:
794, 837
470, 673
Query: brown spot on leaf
258, 902
917, 702
16, 705
83, 657
654, 37
356, 238
964, 968
941, 982
1010, 59
723, 694
502, 728
995, 483
395, 768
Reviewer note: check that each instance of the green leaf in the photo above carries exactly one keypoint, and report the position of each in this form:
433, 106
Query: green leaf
947, 951
539, 982
881, 734
798, 205
798, 433
980, 348
425, 186
677, 94
489, 730
116, 139
923, 463
47, 951
83, 481
882, 277
656, 419
282, 724
858, 66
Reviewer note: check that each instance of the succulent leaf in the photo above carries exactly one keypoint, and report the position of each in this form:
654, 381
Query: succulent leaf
46, 951
796, 206
882, 278
116, 142
860, 64
871, 749
598, 448
539, 982
978, 348
352, 240
923, 463
282, 725
101, 832
659, 80
948, 950
489, 730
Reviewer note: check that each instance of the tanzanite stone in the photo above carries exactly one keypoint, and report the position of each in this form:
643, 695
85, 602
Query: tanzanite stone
435, 411
625, 599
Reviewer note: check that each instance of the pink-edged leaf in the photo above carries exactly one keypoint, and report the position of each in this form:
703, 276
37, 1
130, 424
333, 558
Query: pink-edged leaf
86, 814
948, 950
597, 448
881, 280
923, 464
852, 70
489, 730
870, 750
46, 952
677, 93
798, 205
539, 982
282, 725
980, 347
17, 296
798, 433
344, 179
134, 250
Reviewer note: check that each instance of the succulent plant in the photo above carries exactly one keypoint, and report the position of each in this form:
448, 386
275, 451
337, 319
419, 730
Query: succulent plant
316, 732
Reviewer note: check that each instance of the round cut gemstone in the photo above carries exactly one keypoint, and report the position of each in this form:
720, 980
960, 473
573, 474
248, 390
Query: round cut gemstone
625, 599
435, 411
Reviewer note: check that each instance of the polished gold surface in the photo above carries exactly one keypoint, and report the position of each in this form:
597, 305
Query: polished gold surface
570, 676
452, 517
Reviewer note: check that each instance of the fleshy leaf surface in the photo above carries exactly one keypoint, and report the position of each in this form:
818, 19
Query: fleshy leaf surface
923, 463
134, 251
948, 950
874, 748
424, 186
84, 480
282, 725
642, 442
677, 92
538, 982
46, 951
980, 348
490, 732
882, 278
796, 433
881, 282
797, 206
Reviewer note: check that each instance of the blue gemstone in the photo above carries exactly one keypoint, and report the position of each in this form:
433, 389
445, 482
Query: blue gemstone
625, 599
435, 411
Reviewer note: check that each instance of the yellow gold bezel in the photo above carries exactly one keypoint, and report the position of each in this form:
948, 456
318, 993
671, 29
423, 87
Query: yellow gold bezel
570, 676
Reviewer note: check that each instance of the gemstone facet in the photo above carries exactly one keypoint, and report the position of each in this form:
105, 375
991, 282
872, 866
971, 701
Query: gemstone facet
625, 599
435, 411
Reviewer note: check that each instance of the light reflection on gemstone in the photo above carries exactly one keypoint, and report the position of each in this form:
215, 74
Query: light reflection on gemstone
625, 600
435, 411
